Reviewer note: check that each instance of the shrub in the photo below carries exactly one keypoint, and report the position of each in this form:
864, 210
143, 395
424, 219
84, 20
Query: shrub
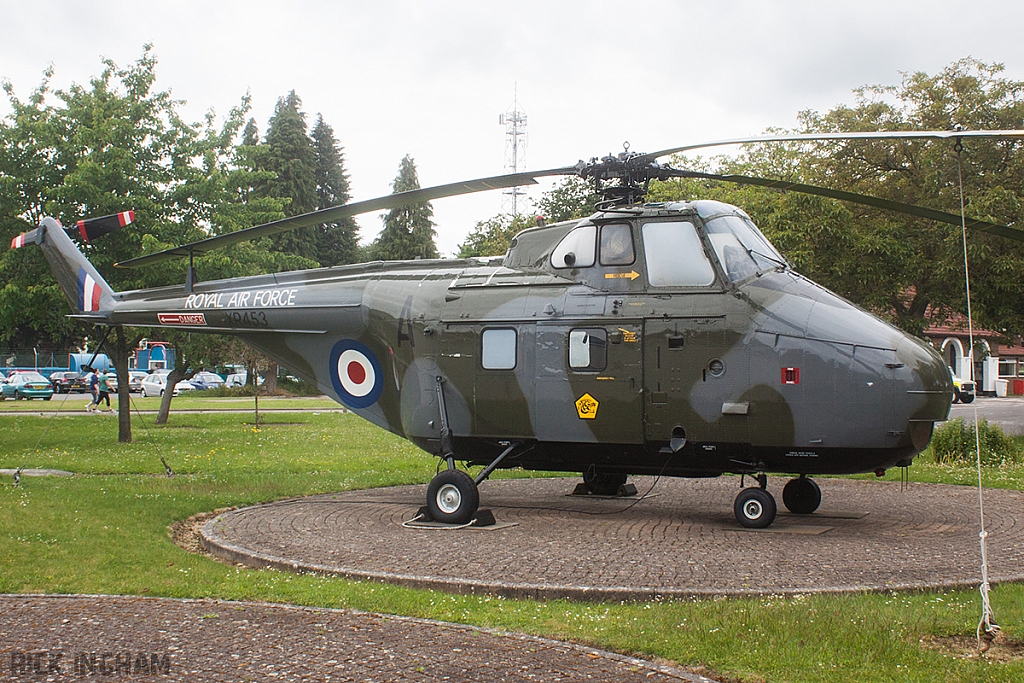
954, 442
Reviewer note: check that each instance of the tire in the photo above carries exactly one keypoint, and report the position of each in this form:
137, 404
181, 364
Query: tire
47, 398
755, 508
603, 483
17, 395
967, 398
452, 497
801, 496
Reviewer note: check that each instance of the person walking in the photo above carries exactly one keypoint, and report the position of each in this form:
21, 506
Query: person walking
94, 389
103, 385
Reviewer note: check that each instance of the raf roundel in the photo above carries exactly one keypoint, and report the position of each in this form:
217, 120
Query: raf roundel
356, 374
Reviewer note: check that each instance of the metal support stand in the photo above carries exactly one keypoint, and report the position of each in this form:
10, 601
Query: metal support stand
494, 463
447, 449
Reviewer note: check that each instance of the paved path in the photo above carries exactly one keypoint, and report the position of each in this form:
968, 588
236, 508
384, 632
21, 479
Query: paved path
681, 541
1007, 412
63, 638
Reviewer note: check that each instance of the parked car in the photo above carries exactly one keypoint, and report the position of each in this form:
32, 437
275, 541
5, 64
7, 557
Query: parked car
135, 378
206, 380
64, 382
237, 379
154, 385
963, 391
26, 385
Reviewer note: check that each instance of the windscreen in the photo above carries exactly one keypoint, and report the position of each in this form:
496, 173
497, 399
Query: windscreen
741, 248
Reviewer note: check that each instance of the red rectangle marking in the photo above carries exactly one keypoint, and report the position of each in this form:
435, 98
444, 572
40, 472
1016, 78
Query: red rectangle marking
181, 318
791, 375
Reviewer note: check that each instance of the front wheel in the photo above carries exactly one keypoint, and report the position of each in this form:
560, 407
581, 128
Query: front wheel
755, 508
452, 497
967, 398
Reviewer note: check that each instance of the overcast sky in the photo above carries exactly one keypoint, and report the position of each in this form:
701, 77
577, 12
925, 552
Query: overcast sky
430, 79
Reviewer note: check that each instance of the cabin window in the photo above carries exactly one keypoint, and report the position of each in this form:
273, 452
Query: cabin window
616, 245
588, 349
499, 349
675, 255
577, 249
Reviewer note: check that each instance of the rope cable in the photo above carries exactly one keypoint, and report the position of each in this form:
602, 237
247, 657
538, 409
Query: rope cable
987, 627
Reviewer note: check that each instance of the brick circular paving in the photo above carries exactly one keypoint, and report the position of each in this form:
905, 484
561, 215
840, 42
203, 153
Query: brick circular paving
680, 541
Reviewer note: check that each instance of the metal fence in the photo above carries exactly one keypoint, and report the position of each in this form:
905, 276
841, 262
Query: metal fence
32, 358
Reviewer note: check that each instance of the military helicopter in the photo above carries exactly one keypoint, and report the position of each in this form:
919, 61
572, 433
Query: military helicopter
661, 339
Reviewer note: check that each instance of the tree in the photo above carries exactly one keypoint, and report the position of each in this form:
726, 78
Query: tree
120, 144
492, 237
902, 268
408, 230
572, 198
291, 156
336, 243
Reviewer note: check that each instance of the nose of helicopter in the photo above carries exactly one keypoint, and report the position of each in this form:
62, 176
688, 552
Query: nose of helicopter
924, 384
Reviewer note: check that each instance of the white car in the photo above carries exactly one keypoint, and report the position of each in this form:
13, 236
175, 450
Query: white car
154, 385
237, 379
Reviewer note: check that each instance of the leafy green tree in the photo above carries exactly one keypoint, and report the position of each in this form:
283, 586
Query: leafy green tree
901, 267
291, 156
337, 243
408, 230
572, 198
492, 237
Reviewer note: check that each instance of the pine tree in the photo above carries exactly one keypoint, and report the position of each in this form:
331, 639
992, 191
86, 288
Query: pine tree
408, 230
291, 155
337, 243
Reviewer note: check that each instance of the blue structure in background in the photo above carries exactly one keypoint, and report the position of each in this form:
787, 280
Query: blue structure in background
154, 356
78, 361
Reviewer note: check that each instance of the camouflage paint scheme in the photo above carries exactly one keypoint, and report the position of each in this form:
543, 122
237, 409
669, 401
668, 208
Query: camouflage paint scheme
693, 381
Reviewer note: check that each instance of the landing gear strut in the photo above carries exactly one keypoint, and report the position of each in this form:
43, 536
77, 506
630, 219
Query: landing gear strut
452, 495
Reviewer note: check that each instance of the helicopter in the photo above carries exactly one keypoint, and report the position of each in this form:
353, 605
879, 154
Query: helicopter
666, 339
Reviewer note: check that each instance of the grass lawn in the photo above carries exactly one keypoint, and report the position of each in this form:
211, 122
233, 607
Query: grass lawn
105, 530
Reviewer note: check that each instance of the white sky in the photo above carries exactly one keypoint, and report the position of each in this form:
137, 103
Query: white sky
396, 77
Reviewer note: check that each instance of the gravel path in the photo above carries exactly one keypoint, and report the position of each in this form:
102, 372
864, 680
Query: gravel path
64, 638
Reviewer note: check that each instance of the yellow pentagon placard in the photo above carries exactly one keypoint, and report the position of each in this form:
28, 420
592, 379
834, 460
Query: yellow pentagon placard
586, 407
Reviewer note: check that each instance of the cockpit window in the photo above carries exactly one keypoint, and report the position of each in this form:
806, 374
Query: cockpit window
675, 255
577, 249
741, 248
616, 245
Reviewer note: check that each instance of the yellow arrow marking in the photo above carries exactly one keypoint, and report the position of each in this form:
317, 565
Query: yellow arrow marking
631, 275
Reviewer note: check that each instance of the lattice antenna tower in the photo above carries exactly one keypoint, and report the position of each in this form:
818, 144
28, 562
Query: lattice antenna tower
514, 119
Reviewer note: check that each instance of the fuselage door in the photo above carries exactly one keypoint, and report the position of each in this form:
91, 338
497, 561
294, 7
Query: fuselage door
589, 382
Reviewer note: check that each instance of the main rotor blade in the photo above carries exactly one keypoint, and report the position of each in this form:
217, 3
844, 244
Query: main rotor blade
874, 135
866, 200
334, 213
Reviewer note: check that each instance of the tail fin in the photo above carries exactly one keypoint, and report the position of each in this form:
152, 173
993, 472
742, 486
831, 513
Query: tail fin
86, 290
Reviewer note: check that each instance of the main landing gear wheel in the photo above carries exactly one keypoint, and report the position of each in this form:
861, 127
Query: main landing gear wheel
452, 497
603, 483
801, 496
755, 508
